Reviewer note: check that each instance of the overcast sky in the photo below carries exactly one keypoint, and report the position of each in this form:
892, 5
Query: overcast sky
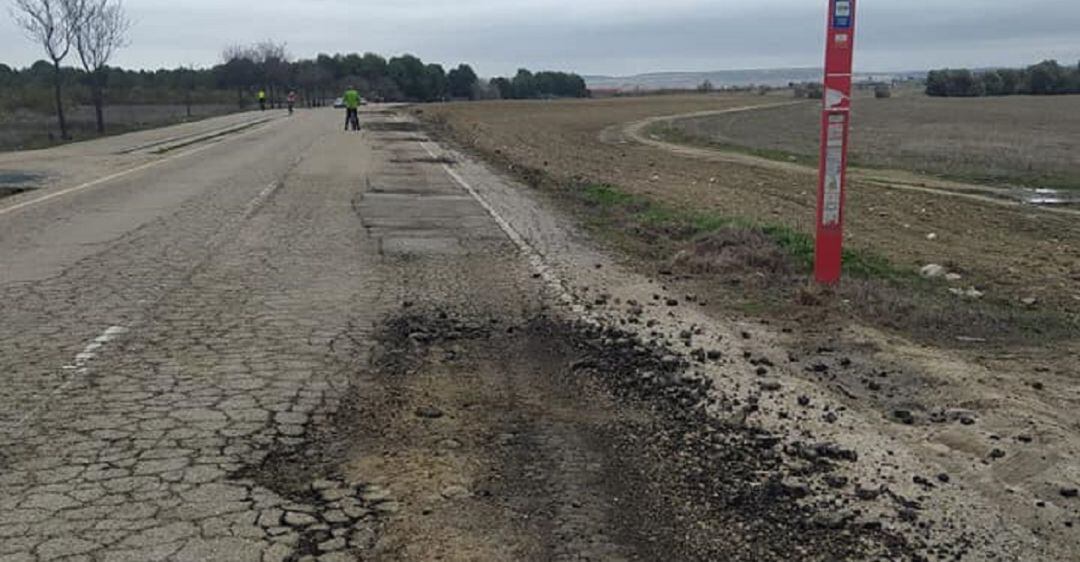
598, 36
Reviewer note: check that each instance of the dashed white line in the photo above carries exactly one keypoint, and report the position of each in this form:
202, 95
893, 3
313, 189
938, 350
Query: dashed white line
78, 367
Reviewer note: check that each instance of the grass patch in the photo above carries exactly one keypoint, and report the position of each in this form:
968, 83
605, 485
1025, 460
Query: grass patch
770, 265
666, 132
686, 225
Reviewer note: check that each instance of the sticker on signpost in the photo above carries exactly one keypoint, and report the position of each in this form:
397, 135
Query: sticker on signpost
842, 14
834, 160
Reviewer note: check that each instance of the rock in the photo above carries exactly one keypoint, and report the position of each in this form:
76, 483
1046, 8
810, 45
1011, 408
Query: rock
905, 417
932, 236
969, 293
770, 386
836, 452
388, 507
932, 271
671, 302
836, 481
943, 478
429, 412
450, 444
1029, 302
1038, 385
867, 494
925, 483
908, 514
830, 520
953, 277
375, 494
1069, 492
997, 454
804, 401
455, 492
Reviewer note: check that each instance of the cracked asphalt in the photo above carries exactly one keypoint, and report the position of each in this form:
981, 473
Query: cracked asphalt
167, 328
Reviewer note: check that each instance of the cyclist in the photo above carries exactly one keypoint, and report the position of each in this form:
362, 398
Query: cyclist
352, 108
292, 101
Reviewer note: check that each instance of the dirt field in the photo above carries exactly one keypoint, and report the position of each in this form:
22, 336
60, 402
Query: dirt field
24, 130
1010, 254
943, 375
1013, 140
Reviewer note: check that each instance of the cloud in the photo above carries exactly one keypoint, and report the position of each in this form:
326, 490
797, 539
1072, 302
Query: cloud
600, 36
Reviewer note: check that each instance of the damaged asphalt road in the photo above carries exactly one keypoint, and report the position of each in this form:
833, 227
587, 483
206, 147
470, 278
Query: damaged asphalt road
348, 355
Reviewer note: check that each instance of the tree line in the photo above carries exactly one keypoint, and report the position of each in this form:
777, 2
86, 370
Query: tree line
95, 29
402, 78
1046, 78
267, 66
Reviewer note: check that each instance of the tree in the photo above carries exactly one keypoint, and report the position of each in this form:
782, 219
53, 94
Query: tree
408, 72
435, 83
273, 63
993, 83
372, 67
52, 24
706, 87
462, 82
239, 71
1011, 80
503, 88
1047, 77
937, 83
523, 86
102, 31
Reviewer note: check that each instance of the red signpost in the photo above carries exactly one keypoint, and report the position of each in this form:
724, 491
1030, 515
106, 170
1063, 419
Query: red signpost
835, 124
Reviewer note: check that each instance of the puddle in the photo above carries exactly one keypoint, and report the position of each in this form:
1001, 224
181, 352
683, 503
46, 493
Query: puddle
12, 182
1050, 197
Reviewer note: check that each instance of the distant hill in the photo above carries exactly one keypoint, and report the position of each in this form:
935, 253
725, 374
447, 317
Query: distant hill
726, 78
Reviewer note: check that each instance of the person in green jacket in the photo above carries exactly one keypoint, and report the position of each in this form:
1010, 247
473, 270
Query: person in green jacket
262, 100
352, 108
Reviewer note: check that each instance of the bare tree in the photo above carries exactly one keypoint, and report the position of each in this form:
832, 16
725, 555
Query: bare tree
100, 32
273, 61
52, 24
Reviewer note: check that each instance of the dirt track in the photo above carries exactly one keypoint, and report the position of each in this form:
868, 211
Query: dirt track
891, 179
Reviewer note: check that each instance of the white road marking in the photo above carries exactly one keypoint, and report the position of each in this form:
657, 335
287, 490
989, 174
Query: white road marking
536, 260
78, 367
123, 173
81, 364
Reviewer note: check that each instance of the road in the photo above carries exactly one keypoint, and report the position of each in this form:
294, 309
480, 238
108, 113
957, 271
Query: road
268, 339
179, 324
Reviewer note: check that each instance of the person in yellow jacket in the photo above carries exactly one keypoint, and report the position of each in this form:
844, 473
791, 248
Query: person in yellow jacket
352, 108
262, 100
